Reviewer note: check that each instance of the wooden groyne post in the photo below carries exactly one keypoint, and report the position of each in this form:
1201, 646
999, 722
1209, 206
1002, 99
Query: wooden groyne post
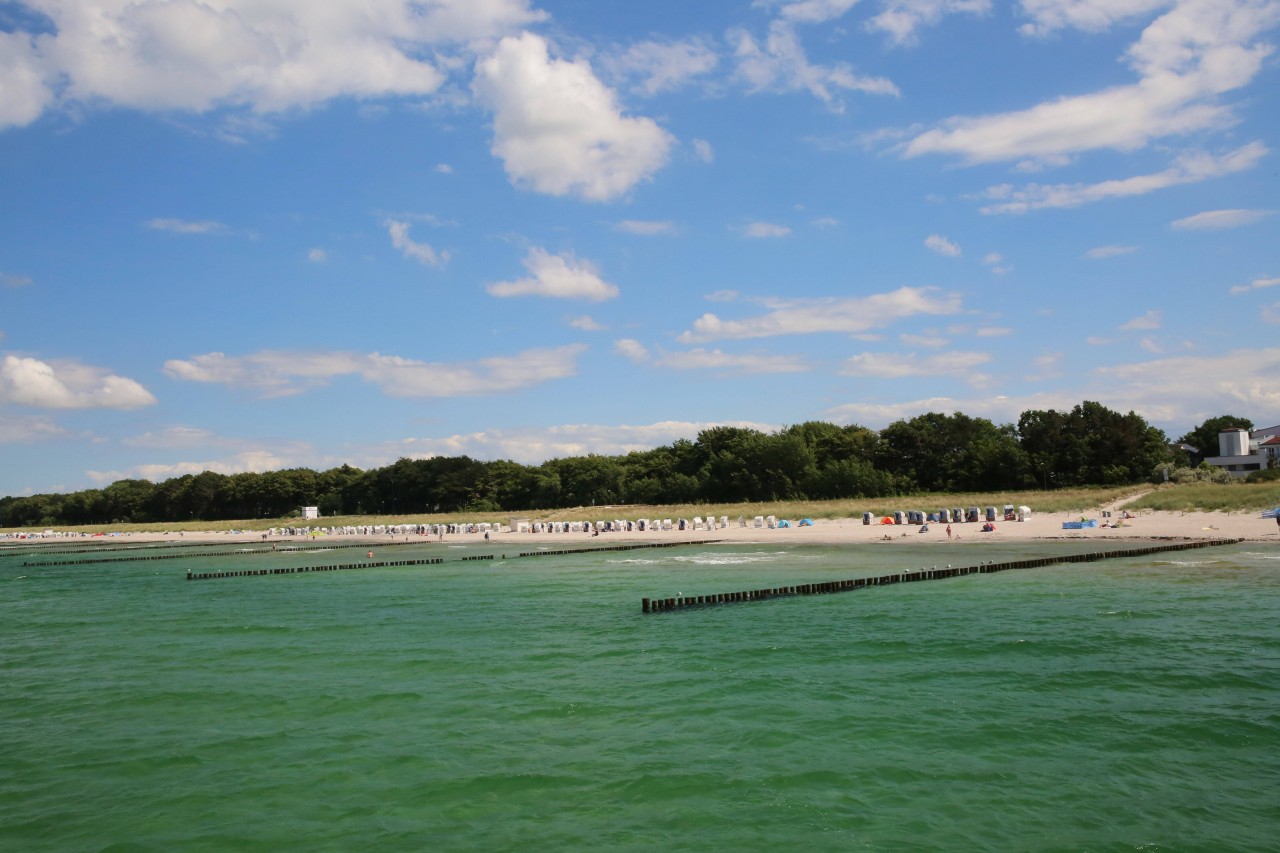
663, 605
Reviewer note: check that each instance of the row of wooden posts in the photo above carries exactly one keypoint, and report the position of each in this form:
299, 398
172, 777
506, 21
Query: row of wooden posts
683, 602
293, 570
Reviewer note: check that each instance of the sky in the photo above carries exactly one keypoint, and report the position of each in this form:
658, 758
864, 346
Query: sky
245, 235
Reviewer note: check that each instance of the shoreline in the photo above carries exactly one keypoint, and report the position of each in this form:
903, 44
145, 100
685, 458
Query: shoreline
1145, 525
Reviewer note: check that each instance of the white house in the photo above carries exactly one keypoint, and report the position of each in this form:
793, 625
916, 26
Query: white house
1240, 454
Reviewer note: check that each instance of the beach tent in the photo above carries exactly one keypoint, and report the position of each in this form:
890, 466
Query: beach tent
806, 522
784, 523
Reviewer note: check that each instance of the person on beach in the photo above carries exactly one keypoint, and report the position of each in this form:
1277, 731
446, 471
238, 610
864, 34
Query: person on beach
948, 531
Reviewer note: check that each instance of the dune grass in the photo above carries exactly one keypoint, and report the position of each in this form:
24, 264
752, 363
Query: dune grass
1211, 497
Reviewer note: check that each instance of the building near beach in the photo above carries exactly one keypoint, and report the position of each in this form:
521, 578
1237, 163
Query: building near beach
1241, 453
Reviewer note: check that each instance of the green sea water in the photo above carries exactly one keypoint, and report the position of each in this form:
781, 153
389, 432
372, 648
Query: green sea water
527, 704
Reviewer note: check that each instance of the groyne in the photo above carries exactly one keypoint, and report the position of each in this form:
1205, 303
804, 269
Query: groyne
683, 602
298, 570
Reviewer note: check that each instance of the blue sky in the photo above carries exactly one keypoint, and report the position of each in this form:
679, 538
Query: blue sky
241, 235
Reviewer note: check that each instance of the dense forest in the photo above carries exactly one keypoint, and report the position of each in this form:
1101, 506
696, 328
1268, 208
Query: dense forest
1089, 445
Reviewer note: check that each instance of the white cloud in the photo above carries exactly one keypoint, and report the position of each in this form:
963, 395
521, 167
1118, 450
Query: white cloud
646, 227
1188, 168
558, 129
444, 169
8, 280
1219, 219
420, 252
759, 230
848, 315
927, 341
764, 229
561, 276
898, 365
182, 226
317, 256
941, 245
814, 11
722, 296
1256, 284
278, 373
825, 222
1183, 390
65, 384
781, 65
1185, 59
711, 360
1100, 252
26, 86
586, 323
632, 350
24, 429
1088, 15
262, 55
703, 150
1271, 313
901, 18
663, 66
993, 331
1149, 320
532, 446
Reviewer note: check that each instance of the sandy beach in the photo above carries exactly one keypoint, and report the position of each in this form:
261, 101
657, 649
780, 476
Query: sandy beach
1143, 525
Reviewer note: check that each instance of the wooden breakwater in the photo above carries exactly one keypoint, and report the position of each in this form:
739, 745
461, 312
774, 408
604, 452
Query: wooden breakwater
298, 570
663, 605
632, 547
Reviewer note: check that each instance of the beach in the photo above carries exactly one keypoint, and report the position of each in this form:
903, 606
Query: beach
1142, 525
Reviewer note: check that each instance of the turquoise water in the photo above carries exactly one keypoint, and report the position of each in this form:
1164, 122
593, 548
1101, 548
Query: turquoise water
525, 704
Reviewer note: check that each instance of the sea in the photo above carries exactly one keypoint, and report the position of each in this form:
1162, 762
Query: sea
508, 702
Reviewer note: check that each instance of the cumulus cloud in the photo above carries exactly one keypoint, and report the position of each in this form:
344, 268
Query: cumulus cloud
278, 373
1256, 284
703, 150
420, 252
1189, 168
561, 276
8, 280
66, 384
780, 64
532, 446
1219, 219
941, 245
558, 129
1185, 60
1149, 320
261, 55
585, 323
848, 315
632, 350
759, 230
317, 256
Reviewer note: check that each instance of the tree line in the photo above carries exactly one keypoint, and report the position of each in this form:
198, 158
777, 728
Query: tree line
815, 460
